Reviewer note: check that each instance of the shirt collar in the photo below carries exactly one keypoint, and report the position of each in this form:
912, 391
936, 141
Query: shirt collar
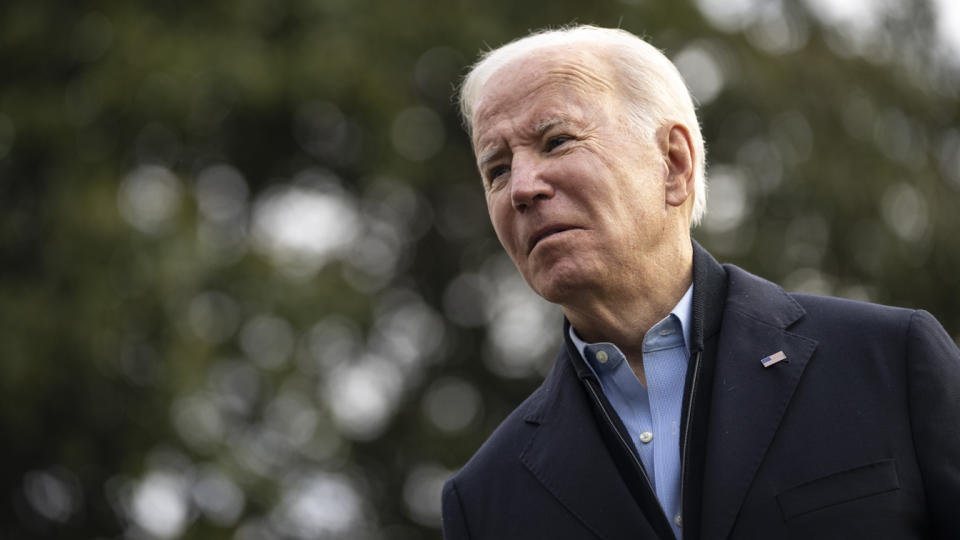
681, 310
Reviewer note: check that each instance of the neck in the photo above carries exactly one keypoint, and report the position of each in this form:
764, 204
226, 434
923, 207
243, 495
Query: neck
623, 315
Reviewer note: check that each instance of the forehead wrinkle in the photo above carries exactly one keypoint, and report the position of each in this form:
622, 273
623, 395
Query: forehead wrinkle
539, 128
578, 75
583, 70
585, 73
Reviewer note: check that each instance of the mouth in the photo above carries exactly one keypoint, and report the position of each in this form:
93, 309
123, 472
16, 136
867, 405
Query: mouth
545, 232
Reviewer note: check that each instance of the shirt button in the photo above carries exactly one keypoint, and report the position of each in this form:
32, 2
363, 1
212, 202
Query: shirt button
646, 437
666, 332
602, 357
678, 520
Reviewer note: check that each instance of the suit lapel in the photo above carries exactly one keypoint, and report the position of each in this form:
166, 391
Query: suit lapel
567, 455
748, 399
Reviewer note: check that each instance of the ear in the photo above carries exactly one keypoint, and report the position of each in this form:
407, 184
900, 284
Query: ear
677, 148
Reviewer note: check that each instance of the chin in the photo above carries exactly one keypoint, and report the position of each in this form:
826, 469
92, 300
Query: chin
559, 285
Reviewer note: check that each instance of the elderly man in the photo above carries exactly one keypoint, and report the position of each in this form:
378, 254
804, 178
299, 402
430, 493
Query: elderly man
689, 399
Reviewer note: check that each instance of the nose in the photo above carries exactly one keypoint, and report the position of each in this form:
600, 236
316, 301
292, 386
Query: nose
528, 183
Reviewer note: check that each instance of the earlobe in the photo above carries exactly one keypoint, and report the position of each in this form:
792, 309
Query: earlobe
679, 159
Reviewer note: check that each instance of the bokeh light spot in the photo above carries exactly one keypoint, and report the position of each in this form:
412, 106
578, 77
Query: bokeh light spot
406, 329
213, 316
332, 341
302, 226
422, 493
159, 504
905, 211
729, 15
319, 506
362, 396
465, 300
776, 30
808, 281
728, 200
521, 324
54, 494
701, 72
417, 133
218, 497
221, 193
198, 422
149, 198
950, 157
268, 340
451, 404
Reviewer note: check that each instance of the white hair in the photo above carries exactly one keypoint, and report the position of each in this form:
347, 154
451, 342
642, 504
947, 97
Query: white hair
651, 86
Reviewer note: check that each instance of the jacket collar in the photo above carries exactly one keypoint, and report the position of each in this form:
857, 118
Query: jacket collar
709, 295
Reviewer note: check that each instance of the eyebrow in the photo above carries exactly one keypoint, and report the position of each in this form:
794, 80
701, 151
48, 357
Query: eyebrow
488, 156
545, 125
541, 128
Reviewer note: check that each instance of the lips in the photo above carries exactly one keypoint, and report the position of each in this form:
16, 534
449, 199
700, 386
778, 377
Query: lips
544, 232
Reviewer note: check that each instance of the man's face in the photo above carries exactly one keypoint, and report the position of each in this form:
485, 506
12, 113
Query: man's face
576, 197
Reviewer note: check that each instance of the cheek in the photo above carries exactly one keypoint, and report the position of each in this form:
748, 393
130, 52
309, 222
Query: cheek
499, 212
494, 210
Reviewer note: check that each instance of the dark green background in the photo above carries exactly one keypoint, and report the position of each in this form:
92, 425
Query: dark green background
172, 373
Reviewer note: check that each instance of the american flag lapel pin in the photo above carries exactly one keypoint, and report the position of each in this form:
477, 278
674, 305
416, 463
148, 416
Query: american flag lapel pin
773, 359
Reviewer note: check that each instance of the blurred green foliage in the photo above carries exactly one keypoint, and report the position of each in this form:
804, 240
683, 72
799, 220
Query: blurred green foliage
248, 288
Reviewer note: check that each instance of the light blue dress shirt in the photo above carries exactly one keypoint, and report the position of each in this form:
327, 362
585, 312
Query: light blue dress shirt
651, 414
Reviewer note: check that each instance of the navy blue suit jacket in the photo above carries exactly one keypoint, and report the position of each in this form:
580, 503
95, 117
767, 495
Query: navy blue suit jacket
855, 435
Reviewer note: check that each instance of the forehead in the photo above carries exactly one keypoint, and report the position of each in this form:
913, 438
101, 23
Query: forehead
557, 79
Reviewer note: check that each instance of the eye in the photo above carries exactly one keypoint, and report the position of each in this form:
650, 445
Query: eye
497, 171
554, 142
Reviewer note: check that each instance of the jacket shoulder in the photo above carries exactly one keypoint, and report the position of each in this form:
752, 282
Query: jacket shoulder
764, 300
831, 314
501, 449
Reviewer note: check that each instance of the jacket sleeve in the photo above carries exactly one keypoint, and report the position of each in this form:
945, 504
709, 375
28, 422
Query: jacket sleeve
454, 523
933, 372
